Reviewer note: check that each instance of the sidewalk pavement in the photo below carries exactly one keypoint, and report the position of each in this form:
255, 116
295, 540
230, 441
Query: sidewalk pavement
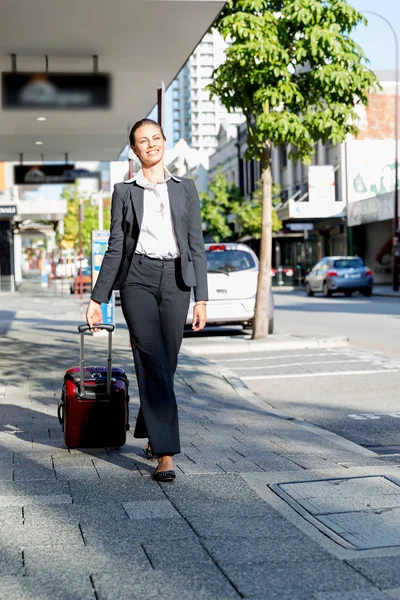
240, 521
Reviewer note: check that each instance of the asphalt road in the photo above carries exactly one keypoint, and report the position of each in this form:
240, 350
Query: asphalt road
353, 392
370, 323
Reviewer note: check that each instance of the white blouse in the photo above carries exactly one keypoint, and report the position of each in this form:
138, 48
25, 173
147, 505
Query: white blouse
157, 237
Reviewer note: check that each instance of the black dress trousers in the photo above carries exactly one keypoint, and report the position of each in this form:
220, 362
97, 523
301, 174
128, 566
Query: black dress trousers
155, 303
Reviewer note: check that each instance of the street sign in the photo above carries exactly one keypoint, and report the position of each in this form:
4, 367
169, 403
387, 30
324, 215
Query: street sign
62, 91
44, 174
99, 247
10, 209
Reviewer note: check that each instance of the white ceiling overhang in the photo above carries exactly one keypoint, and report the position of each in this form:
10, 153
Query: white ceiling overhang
141, 43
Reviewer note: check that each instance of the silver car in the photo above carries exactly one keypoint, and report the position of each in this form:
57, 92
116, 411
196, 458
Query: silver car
232, 284
339, 274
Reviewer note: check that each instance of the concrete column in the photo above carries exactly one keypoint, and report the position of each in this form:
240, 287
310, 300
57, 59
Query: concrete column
290, 175
51, 243
275, 165
322, 154
17, 258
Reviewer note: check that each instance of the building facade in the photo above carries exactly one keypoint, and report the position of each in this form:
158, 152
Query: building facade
190, 113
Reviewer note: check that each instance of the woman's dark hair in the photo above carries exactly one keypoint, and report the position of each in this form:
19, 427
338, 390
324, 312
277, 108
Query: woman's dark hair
139, 124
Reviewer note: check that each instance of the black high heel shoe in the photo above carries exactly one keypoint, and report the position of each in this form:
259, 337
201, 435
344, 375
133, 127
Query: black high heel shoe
148, 452
162, 476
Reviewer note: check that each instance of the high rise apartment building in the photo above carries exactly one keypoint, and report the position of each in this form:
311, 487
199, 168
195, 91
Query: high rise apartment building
195, 117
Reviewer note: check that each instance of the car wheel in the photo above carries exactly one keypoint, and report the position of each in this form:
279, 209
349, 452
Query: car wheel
367, 292
309, 291
326, 291
348, 294
271, 326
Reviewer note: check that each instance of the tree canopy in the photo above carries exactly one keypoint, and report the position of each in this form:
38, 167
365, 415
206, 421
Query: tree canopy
90, 215
296, 74
294, 70
224, 205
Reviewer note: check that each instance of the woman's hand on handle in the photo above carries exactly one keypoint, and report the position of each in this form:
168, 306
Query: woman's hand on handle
199, 316
93, 314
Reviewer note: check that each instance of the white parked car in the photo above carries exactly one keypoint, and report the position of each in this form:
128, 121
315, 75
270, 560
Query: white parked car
232, 285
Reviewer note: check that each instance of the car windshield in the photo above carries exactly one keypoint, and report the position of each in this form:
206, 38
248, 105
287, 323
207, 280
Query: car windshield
346, 263
229, 261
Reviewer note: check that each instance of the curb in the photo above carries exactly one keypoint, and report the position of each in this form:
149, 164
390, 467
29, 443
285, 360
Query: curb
239, 345
244, 392
386, 294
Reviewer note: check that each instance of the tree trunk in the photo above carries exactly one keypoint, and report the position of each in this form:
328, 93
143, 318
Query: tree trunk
260, 325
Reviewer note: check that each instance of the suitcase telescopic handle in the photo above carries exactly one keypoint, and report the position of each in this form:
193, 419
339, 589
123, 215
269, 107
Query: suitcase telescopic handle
82, 330
85, 327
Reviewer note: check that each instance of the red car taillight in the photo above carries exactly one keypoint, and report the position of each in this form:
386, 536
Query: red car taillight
368, 271
332, 273
217, 247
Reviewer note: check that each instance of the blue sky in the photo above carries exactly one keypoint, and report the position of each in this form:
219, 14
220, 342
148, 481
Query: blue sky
376, 39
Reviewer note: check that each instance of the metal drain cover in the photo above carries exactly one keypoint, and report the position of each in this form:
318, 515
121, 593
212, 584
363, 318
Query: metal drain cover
357, 512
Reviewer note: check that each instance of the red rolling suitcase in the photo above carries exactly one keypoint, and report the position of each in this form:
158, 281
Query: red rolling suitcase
93, 410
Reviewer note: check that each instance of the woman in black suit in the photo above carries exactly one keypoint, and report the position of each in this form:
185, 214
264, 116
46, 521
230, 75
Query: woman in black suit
155, 255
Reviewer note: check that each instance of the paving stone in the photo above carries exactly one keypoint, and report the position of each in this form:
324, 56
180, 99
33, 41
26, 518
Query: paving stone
117, 471
267, 527
198, 468
31, 474
158, 509
84, 560
125, 489
239, 466
211, 487
10, 516
85, 473
311, 462
31, 488
43, 534
290, 548
351, 595
382, 571
33, 459
108, 532
329, 575
223, 508
72, 461
126, 463
25, 500
10, 562
207, 584
7, 474
178, 554
74, 512
271, 462
48, 586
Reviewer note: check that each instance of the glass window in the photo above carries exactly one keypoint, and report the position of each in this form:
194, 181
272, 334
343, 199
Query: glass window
348, 263
283, 155
229, 261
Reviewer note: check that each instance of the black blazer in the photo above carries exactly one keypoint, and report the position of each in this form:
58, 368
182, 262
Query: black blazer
126, 220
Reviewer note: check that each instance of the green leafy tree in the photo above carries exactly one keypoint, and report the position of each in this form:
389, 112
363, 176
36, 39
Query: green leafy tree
90, 215
217, 205
296, 74
248, 215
